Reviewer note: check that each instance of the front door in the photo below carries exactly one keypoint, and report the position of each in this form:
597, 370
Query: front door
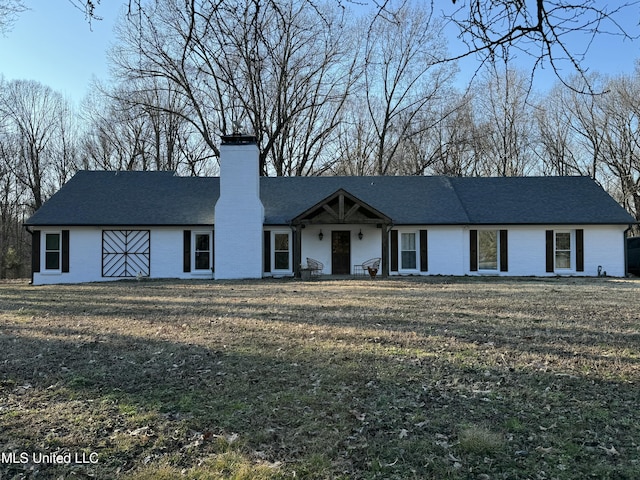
340, 253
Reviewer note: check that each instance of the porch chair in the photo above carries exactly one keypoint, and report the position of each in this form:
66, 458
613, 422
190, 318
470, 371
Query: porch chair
315, 266
372, 266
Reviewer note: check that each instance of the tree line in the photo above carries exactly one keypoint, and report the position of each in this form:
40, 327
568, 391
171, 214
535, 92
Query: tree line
327, 90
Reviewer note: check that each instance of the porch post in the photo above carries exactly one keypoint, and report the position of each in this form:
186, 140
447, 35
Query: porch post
385, 249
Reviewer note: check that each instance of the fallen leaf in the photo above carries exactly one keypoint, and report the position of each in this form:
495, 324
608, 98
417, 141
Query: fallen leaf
454, 459
358, 415
610, 451
544, 450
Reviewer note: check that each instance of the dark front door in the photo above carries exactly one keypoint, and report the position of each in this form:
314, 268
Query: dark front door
340, 253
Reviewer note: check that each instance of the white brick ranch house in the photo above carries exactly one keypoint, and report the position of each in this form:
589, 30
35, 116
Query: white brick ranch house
111, 225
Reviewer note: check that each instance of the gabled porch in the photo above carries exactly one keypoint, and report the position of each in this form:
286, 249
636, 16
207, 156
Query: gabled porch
342, 232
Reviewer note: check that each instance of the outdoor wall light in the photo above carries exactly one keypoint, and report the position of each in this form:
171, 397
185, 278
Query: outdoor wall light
320, 236
360, 234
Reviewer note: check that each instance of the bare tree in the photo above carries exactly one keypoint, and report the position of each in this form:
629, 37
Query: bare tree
117, 136
9, 11
557, 148
14, 245
166, 41
451, 147
356, 142
290, 69
403, 81
541, 29
280, 70
31, 114
605, 128
621, 146
134, 128
586, 121
503, 113
37, 154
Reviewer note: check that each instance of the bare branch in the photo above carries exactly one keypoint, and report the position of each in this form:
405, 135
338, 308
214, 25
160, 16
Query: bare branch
9, 11
545, 30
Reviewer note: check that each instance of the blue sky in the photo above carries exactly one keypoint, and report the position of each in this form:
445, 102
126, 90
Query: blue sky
53, 43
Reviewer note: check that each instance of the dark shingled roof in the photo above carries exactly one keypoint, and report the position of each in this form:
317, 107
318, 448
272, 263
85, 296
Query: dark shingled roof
161, 198
538, 200
130, 199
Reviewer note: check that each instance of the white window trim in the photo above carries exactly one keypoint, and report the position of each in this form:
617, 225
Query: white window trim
43, 259
572, 252
273, 252
416, 236
195, 270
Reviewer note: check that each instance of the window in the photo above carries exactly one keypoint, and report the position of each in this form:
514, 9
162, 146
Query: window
563, 250
281, 251
408, 251
198, 252
202, 251
488, 250
52, 251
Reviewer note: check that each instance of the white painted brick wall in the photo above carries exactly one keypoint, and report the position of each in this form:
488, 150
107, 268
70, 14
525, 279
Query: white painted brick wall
239, 214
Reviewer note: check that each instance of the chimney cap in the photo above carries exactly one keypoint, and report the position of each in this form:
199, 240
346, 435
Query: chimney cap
239, 139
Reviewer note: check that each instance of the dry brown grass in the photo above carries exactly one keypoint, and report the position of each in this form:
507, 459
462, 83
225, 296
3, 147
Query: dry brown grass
398, 378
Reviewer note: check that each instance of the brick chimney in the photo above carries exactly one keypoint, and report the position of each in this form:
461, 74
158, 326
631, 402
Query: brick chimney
239, 213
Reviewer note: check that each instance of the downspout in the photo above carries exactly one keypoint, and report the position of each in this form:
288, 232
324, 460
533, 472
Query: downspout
626, 248
30, 232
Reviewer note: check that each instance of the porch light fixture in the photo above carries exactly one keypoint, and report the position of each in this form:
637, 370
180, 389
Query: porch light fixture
360, 234
320, 236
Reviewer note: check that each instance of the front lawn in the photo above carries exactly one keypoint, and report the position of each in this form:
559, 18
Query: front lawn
402, 378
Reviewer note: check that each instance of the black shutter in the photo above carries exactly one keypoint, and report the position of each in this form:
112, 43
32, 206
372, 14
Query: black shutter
186, 251
394, 250
213, 250
504, 251
424, 259
35, 251
473, 250
65, 250
580, 250
267, 251
549, 250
